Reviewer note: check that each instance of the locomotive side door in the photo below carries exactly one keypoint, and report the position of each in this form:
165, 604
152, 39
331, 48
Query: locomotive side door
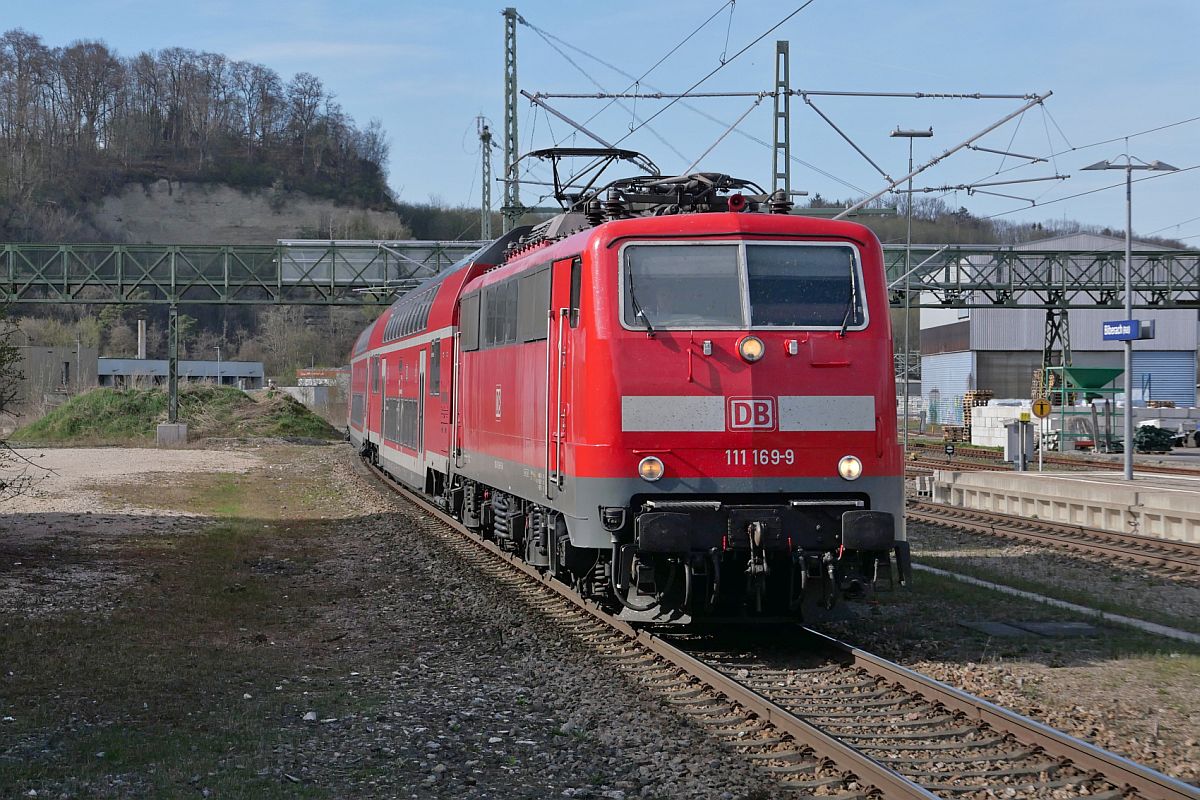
563, 315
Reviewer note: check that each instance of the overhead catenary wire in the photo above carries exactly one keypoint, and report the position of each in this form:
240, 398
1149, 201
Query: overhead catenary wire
938, 159
1072, 149
654, 66
632, 111
688, 169
971, 186
637, 83
713, 72
720, 66
657, 95
849, 141
1121, 184
1175, 225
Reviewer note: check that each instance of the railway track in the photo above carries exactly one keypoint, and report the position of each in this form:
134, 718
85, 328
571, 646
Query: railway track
847, 724
982, 456
1177, 558
947, 741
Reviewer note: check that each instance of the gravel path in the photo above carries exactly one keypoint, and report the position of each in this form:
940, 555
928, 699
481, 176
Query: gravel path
59, 537
423, 680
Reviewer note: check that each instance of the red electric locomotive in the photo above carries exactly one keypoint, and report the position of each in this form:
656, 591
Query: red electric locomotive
675, 396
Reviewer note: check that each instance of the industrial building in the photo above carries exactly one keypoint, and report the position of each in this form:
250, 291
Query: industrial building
1000, 348
127, 373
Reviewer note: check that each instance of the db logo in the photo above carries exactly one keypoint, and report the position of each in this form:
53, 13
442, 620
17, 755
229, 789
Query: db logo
751, 413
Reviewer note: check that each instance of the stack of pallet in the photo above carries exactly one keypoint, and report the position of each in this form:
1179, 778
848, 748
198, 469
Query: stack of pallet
1039, 388
1052, 389
973, 399
1160, 403
955, 433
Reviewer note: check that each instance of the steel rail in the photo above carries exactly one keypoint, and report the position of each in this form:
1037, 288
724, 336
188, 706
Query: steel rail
1133, 777
971, 451
889, 783
1171, 554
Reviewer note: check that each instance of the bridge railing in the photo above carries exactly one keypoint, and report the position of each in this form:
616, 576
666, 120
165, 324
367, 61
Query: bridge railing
353, 273
298, 272
981, 276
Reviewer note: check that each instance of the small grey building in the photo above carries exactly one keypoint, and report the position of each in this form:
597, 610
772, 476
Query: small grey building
124, 373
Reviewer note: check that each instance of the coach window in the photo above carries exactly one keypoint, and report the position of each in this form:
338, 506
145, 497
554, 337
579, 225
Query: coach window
375, 375
435, 367
533, 301
468, 322
500, 315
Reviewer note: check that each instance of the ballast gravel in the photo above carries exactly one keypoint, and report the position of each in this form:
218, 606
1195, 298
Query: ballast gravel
482, 696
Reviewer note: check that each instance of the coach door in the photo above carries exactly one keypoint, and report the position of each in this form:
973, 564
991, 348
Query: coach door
383, 402
421, 416
563, 316
375, 402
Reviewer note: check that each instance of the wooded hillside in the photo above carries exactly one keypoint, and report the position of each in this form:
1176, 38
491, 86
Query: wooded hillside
79, 121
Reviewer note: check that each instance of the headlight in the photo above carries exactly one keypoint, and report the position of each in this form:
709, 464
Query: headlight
751, 348
650, 468
850, 468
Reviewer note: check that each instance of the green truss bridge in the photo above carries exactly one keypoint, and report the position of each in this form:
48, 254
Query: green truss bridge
354, 273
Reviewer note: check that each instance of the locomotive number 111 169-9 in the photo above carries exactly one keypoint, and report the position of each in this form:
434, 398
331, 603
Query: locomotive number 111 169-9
759, 458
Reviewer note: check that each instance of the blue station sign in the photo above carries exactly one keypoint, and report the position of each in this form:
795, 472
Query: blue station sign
1125, 330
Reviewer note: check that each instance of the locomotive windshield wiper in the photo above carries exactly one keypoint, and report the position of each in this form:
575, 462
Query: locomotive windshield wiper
637, 307
851, 302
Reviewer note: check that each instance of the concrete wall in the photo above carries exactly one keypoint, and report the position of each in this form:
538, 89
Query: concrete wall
987, 422
328, 402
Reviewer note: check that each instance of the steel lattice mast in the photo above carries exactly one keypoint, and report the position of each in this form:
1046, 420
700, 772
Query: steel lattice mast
512, 188
781, 167
485, 148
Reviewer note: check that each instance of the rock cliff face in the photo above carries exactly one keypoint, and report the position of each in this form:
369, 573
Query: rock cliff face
174, 212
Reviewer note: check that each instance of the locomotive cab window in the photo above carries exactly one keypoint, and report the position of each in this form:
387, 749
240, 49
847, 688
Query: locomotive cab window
682, 286
794, 286
741, 285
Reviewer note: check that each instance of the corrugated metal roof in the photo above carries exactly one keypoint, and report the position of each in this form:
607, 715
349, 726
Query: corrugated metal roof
1086, 241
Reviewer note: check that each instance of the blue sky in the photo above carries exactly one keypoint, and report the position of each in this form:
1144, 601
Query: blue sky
427, 69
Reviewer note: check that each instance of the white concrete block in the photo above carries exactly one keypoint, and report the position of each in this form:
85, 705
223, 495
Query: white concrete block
172, 434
